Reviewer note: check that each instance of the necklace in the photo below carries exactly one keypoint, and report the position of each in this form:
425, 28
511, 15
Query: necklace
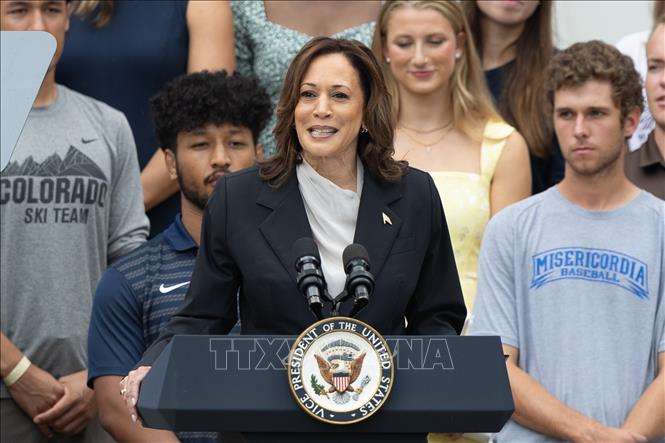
428, 146
429, 131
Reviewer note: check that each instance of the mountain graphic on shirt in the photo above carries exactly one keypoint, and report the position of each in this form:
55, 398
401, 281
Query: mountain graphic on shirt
75, 163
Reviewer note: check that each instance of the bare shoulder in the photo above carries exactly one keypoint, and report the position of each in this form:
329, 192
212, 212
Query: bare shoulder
515, 144
197, 10
515, 152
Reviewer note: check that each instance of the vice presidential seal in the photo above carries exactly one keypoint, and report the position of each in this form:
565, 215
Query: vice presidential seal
340, 370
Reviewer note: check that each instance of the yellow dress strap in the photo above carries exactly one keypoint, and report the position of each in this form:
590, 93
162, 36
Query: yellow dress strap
494, 139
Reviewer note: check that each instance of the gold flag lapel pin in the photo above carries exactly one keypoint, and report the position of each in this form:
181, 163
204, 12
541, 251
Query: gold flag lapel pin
386, 219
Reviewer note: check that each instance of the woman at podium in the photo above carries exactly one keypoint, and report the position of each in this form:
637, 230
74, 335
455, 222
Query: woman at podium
333, 179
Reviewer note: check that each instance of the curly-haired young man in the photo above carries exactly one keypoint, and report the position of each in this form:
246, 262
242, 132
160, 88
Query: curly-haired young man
572, 279
208, 124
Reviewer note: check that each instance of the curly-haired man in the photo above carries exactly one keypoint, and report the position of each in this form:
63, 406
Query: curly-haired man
208, 124
572, 279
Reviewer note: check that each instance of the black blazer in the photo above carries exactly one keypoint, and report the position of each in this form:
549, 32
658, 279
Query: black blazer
248, 232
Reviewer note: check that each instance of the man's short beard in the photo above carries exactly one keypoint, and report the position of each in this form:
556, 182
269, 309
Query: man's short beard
602, 169
197, 199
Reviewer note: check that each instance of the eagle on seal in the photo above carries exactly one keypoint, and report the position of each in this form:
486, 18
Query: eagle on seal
340, 372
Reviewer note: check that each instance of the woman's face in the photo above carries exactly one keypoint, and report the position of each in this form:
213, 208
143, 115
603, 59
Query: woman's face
508, 12
329, 112
421, 47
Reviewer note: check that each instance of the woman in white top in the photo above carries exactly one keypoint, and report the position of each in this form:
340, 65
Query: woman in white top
333, 179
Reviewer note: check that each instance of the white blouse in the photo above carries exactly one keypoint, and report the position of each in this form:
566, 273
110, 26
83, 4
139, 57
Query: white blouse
332, 213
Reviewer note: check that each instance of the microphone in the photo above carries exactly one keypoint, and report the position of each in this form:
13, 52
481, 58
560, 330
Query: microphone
309, 277
359, 281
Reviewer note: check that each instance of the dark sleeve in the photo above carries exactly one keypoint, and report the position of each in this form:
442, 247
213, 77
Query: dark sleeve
210, 306
115, 336
557, 163
546, 171
437, 306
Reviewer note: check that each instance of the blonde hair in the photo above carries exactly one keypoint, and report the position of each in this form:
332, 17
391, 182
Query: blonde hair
470, 98
98, 12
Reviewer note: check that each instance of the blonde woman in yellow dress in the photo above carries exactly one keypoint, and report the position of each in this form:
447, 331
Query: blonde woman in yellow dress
447, 124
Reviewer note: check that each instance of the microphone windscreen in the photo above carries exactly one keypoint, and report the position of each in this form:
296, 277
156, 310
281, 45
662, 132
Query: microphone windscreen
354, 251
303, 247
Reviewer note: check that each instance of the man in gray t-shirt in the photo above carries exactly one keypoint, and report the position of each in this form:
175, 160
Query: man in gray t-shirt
70, 203
572, 279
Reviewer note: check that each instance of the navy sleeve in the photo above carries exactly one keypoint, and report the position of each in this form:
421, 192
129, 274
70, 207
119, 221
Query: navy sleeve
557, 163
115, 337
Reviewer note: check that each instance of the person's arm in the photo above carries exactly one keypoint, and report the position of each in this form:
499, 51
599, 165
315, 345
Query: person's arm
36, 390
76, 408
10, 355
115, 344
536, 408
211, 48
156, 181
648, 415
437, 305
211, 41
115, 420
512, 176
128, 224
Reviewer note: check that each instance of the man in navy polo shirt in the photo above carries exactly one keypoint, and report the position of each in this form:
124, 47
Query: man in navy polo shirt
207, 124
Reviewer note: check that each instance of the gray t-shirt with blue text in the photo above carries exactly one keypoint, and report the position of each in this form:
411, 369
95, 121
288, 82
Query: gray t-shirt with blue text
70, 202
580, 294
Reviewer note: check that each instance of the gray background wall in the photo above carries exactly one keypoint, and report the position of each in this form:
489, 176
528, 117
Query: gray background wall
577, 20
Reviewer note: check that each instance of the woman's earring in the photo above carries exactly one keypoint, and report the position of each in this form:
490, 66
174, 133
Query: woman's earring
363, 130
458, 55
388, 60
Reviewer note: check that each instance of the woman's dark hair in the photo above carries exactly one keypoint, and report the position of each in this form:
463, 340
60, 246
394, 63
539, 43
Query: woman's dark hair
375, 147
522, 103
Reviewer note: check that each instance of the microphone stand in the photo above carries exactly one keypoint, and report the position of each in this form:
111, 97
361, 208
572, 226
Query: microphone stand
337, 302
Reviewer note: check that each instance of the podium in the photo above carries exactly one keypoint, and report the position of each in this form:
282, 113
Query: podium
239, 384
